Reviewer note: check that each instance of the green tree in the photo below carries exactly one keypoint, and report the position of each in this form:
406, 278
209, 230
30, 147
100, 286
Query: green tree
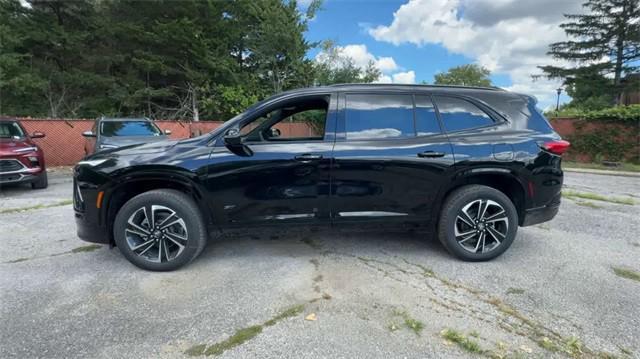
334, 67
192, 59
605, 40
465, 75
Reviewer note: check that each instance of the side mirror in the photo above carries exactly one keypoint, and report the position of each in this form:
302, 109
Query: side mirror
37, 134
274, 132
88, 134
235, 143
167, 132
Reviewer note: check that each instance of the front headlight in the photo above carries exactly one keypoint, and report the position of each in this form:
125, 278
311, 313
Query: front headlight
93, 163
26, 149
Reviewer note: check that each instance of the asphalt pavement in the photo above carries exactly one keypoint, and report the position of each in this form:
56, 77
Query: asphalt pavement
562, 289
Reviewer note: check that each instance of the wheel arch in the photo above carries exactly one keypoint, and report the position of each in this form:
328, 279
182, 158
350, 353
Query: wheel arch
500, 179
133, 184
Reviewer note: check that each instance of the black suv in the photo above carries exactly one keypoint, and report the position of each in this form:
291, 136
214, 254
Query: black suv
468, 164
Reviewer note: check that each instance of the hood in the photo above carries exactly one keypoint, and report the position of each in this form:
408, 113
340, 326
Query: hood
133, 148
8, 146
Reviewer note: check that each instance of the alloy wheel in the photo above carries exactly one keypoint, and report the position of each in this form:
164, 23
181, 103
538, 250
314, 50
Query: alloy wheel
481, 226
156, 233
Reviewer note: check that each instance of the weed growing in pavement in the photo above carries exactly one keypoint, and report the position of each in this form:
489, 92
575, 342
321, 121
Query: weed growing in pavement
626, 273
242, 335
515, 291
596, 197
461, 340
413, 324
39, 206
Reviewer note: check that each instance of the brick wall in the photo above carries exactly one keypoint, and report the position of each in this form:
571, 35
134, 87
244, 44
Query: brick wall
625, 135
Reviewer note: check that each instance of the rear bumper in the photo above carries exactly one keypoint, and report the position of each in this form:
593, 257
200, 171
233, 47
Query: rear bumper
540, 214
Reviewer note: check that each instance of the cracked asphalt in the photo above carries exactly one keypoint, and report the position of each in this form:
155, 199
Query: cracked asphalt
552, 294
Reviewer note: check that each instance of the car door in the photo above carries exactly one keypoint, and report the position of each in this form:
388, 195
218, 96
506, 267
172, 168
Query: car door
391, 158
280, 172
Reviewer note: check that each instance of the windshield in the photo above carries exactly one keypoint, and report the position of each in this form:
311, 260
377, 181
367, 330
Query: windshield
129, 128
10, 130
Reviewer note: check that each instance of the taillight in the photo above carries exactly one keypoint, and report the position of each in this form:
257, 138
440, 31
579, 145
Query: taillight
557, 147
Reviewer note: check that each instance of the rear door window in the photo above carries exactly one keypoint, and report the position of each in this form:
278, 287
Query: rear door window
379, 116
458, 114
426, 119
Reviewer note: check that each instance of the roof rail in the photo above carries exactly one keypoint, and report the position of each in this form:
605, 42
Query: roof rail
493, 88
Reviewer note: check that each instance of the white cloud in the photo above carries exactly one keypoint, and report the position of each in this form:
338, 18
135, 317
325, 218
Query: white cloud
391, 72
408, 77
506, 36
361, 57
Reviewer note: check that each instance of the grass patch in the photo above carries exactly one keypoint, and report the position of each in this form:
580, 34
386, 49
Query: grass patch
39, 206
287, 313
242, 335
597, 197
548, 344
627, 273
573, 346
413, 324
625, 166
461, 340
196, 350
588, 204
515, 291
89, 248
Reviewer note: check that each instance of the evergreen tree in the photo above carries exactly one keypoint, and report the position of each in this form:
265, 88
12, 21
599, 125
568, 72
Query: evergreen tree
605, 41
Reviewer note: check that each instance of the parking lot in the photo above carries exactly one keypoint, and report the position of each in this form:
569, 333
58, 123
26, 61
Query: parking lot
561, 290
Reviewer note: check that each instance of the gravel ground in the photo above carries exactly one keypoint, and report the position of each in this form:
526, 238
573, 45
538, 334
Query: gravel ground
390, 295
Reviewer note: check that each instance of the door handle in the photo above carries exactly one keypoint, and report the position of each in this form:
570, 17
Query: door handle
431, 154
307, 157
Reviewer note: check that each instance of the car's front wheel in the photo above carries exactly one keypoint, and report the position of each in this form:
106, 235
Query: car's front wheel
477, 223
160, 230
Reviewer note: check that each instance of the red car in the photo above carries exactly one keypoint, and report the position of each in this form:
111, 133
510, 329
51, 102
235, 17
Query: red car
21, 160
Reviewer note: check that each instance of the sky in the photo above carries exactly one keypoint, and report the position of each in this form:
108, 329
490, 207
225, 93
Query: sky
412, 40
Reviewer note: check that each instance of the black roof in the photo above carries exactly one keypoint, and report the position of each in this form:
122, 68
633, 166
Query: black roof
470, 90
416, 86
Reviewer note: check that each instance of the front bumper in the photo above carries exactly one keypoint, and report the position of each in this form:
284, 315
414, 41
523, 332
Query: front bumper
15, 171
90, 232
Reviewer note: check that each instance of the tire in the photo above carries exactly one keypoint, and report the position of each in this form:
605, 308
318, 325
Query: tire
465, 240
179, 244
42, 181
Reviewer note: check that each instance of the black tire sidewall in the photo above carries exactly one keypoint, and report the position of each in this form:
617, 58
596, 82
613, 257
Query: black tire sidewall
184, 207
456, 201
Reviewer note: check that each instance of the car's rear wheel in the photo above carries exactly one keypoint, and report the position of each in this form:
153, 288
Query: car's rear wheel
41, 182
477, 223
160, 230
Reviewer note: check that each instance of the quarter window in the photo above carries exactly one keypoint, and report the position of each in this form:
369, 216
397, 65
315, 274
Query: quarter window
426, 119
379, 116
458, 114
